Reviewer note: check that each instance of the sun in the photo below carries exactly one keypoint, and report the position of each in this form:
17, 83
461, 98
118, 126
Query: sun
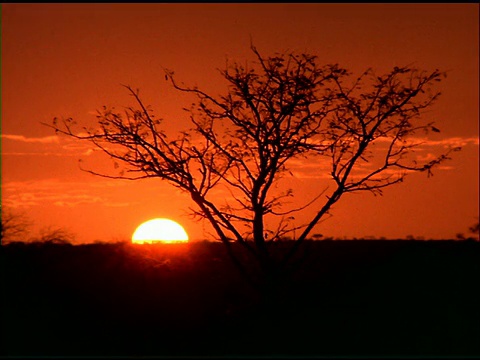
161, 230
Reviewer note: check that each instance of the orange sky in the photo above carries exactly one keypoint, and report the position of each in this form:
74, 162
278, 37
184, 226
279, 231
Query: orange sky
70, 59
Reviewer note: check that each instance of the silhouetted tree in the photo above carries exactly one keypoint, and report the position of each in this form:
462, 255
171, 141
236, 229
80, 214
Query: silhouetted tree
277, 109
55, 235
475, 229
14, 225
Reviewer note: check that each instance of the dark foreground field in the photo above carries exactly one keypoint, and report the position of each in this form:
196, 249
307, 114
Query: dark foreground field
407, 298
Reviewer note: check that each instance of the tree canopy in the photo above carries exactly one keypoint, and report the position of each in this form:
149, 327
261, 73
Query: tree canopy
276, 110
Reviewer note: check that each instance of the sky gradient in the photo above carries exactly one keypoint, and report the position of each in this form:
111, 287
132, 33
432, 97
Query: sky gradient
71, 59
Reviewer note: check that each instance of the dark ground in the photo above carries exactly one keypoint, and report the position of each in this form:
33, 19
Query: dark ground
352, 298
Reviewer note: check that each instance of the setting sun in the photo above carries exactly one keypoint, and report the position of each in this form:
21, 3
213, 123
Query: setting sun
163, 230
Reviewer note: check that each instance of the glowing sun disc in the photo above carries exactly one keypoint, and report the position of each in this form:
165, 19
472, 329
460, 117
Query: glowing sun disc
163, 230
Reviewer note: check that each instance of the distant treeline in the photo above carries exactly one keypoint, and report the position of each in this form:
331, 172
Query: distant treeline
371, 297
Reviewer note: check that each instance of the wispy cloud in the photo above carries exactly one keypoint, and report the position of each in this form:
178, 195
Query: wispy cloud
55, 146
446, 142
42, 140
18, 194
320, 167
58, 154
